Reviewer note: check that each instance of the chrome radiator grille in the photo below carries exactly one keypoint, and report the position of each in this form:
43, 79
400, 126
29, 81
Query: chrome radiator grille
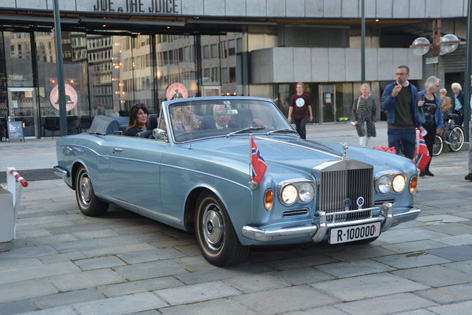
336, 186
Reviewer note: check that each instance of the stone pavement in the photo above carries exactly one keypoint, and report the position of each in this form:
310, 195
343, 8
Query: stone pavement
65, 263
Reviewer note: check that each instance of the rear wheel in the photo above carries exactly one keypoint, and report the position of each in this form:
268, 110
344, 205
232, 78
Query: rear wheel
215, 233
88, 203
438, 145
456, 139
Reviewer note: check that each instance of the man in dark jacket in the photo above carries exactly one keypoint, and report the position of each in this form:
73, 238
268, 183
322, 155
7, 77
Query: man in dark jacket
400, 104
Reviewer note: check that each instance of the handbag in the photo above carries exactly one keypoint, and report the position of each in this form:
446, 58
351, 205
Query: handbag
359, 127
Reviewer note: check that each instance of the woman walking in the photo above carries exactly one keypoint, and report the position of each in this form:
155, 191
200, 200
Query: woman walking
364, 115
430, 106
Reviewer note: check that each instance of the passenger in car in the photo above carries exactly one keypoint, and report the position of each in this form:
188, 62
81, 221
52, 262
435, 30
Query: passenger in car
138, 116
183, 119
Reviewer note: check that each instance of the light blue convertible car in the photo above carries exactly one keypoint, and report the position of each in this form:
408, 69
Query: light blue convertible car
233, 171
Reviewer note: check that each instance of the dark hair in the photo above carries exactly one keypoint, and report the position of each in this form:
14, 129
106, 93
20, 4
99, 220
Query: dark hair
133, 114
404, 67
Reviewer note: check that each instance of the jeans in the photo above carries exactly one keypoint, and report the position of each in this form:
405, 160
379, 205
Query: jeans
404, 140
300, 124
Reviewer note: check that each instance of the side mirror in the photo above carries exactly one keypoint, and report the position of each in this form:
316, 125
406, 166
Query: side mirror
159, 134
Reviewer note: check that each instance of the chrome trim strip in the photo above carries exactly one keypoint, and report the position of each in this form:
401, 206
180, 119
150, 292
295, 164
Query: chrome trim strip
298, 146
318, 232
266, 235
59, 171
130, 205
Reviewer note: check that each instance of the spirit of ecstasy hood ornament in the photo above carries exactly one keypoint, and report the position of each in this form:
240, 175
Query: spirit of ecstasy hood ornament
345, 147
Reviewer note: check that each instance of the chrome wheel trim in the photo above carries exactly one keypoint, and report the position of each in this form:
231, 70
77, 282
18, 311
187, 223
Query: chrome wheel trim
212, 226
85, 189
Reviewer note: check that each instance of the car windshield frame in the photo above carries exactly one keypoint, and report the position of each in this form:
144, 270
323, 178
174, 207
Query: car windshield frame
194, 119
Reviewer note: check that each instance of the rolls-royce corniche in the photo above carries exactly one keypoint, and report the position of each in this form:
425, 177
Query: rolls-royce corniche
234, 171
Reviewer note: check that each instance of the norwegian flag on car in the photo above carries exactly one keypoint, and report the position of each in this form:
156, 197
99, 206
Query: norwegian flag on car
258, 164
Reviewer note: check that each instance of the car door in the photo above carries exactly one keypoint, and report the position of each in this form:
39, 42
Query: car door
134, 166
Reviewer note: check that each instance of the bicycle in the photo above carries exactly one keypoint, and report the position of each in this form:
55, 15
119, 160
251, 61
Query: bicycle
452, 135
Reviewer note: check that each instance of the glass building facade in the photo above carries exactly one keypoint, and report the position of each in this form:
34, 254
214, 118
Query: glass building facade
106, 75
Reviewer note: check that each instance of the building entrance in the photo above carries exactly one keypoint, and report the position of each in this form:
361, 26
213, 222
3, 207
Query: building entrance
327, 101
23, 107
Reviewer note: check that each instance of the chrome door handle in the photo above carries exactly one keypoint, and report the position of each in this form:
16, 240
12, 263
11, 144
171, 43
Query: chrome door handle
117, 150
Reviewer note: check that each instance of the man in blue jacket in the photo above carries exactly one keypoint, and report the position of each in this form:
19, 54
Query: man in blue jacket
400, 104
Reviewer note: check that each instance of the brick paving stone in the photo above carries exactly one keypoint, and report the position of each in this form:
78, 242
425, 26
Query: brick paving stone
368, 286
197, 293
219, 306
448, 294
411, 260
354, 268
359, 252
323, 310
51, 259
194, 263
435, 276
284, 300
86, 279
450, 229
61, 310
99, 263
16, 307
455, 253
260, 282
36, 272
148, 270
457, 240
117, 249
401, 235
151, 255
386, 304
298, 262
221, 273
67, 298
30, 252
303, 275
464, 266
130, 287
20, 290
459, 308
126, 304
413, 246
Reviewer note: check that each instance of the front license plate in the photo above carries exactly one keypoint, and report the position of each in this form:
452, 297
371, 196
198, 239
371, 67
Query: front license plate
354, 233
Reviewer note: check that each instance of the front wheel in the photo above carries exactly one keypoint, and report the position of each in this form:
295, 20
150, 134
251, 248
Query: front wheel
438, 145
456, 139
88, 203
215, 233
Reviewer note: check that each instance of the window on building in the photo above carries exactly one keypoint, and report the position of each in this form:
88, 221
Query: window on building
214, 51
232, 47
206, 52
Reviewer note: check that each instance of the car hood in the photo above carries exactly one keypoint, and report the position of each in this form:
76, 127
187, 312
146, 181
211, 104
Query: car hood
296, 153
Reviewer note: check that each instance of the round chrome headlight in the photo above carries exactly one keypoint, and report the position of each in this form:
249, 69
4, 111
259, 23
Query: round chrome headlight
289, 195
384, 185
306, 192
398, 183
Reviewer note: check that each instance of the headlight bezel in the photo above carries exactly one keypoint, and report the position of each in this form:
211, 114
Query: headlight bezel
302, 186
388, 182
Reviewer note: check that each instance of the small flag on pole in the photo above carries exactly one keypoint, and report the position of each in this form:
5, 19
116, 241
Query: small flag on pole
422, 157
258, 165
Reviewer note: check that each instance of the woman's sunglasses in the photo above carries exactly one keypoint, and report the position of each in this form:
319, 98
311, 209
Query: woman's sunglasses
140, 105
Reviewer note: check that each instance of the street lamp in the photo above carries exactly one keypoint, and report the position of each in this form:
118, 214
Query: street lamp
440, 45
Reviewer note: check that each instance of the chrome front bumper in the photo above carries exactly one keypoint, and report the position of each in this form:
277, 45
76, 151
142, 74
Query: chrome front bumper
59, 171
318, 232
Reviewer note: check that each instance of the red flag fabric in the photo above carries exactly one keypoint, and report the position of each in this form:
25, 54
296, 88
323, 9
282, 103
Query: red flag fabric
422, 156
258, 164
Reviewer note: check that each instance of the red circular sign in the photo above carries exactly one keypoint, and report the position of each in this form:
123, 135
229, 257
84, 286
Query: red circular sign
71, 97
175, 91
